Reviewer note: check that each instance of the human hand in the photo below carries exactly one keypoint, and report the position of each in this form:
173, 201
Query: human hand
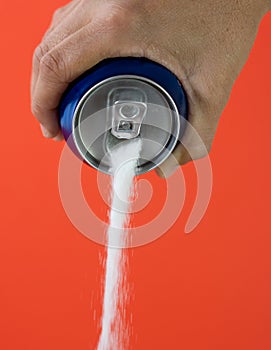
205, 43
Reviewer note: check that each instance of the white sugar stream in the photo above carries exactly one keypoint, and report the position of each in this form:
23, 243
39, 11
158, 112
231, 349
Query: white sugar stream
115, 334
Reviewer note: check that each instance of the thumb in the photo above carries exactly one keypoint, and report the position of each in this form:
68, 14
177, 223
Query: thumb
180, 156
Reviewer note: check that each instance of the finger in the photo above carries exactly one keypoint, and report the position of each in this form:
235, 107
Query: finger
58, 137
195, 144
58, 68
56, 34
180, 156
67, 21
46, 109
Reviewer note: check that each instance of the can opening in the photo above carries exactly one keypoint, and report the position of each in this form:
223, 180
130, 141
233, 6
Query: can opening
127, 108
125, 126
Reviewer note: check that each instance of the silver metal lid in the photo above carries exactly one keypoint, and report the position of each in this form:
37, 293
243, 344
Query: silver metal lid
122, 108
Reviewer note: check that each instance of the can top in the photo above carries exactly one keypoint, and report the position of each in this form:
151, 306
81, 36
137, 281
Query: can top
120, 107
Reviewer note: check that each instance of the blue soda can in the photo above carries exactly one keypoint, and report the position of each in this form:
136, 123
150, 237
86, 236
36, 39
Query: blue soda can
119, 100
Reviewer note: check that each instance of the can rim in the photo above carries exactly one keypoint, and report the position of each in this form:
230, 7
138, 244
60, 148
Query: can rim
140, 169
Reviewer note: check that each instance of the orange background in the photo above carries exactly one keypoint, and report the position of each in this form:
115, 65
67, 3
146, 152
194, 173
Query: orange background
209, 290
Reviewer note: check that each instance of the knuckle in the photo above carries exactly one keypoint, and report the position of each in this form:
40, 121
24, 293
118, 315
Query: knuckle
57, 14
119, 18
40, 52
51, 66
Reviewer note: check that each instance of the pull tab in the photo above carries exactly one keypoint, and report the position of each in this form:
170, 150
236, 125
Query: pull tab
127, 109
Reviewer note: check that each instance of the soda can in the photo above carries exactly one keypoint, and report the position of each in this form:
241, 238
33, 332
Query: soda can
119, 100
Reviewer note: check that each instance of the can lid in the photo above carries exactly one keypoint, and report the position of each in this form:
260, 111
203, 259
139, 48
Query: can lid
121, 108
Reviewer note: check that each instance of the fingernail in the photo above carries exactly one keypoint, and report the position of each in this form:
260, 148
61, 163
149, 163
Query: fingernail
58, 137
45, 132
167, 168
159, 173
166, 171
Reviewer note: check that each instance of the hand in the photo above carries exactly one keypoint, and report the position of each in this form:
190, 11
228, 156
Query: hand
205, 43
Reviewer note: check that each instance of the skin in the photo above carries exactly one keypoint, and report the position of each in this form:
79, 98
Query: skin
204, 43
